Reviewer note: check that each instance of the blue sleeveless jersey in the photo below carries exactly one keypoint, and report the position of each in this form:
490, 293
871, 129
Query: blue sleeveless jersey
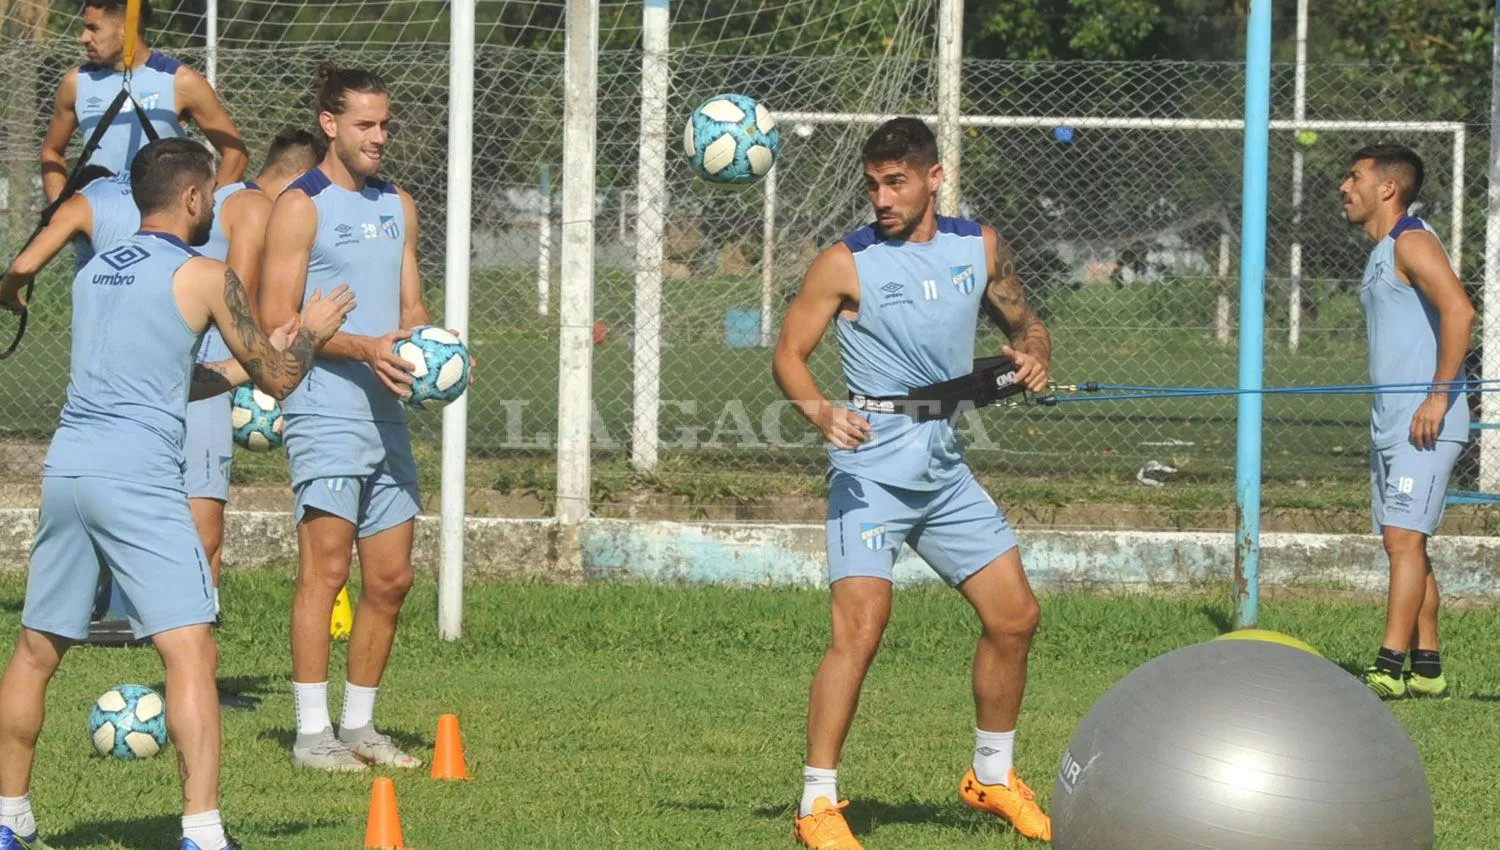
918, 311
1402, 328
132, 364
116, 217
154, 86
217, 247
361, 239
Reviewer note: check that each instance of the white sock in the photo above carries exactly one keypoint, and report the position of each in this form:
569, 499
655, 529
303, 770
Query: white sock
818, 782
216, 602
15, 812
312, 707
994, 752
359, 706
205, 829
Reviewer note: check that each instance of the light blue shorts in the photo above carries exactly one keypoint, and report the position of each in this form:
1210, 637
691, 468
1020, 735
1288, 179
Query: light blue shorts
1408, 485
142, 534
208, 448
957, 530
354, 469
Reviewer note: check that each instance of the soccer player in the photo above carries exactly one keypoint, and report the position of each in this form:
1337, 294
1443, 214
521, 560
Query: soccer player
904, 294
112, 487
1418, 320
167, 90
241, 210
102, 214
353, 474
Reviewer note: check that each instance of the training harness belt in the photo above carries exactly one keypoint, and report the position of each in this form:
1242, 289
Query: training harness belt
992, 381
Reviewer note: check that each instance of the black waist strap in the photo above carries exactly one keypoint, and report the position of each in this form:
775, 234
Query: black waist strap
992, 381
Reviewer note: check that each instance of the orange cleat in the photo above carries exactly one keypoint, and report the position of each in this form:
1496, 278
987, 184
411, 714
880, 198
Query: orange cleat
1015, 803
825, 828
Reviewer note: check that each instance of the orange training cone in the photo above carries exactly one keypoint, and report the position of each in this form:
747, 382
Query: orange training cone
383, 830
448, 760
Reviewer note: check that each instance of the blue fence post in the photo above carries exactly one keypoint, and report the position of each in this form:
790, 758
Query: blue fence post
1252, 314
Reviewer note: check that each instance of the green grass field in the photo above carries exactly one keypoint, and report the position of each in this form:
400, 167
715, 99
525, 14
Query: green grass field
629, 716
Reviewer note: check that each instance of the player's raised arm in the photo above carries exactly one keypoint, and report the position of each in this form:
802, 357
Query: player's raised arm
59, 130
1005, 301
245, 217
275, 371
73, 218
202, 105
831, 285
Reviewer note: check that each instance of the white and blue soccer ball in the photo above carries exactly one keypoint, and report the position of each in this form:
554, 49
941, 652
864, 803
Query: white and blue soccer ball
256, 419
732, 139
439, 366
129, 722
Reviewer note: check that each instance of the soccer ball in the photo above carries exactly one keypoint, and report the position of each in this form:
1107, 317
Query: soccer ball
439, 366
731, 139
129, 722
256, 419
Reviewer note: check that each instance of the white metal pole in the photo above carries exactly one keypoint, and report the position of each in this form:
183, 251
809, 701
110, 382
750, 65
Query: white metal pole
1299, 112
211, 43
950, 52
576, 301
1221, 311
544, 246
650, 221
1456, 237
767, 257
1489, 439
456, 313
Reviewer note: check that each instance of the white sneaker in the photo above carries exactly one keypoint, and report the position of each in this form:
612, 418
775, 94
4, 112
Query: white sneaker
324, 751
375, 748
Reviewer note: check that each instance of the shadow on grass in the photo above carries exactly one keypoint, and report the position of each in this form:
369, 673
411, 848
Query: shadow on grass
405, 740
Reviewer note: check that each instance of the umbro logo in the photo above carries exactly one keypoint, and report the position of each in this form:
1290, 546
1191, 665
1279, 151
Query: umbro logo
892, 287
343, 230
124, 257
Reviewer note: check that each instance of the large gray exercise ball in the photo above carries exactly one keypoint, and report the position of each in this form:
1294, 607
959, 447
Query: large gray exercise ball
1240, 745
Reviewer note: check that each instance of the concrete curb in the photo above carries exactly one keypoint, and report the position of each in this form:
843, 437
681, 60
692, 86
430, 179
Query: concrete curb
792, 554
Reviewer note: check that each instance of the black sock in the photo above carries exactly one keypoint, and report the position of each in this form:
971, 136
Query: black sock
1390, 662
1425, 662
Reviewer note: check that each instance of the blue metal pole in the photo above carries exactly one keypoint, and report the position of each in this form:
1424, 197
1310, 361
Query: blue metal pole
1252, 313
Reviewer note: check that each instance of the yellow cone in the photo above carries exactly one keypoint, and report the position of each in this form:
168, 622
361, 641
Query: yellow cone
343, 616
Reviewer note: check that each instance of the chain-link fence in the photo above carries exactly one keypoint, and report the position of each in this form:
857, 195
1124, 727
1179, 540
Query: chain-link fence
1118, 184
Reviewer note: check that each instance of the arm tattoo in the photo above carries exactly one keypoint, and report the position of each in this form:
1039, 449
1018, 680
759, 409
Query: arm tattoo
265, 364
1008, 308
209, 380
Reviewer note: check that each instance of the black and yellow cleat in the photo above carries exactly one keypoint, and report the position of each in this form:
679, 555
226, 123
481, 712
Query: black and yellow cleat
1383, 684
1428, 687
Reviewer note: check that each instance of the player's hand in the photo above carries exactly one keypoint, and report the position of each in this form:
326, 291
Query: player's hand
842, 426
1031, 371
324, 315
12, 300
392, 371
1427, 422
471, 357
283, 336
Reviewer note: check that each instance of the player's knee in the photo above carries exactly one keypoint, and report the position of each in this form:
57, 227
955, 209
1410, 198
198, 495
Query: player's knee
1403, 541
328, 575
861, 640
39, 653
1018, 623
388, 587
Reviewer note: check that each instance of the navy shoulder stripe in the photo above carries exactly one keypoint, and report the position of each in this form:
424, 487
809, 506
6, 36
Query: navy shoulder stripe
163, 63
313, 181
958, 226
171, 240
382, 186
861, 239
251, 184
1405, 223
